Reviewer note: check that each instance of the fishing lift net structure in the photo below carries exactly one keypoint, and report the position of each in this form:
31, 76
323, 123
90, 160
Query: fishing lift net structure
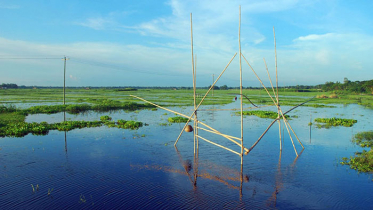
199, 125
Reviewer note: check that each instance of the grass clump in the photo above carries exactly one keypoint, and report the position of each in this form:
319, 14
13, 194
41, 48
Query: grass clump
335, 122
177, 119
262, 114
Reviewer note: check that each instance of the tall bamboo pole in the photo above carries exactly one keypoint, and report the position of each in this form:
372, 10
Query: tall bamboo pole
194, 83
239, 44
195, 115
199, 104
278, 103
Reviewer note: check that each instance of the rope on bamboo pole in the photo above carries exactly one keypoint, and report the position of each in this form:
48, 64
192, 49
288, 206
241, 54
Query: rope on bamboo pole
219, 145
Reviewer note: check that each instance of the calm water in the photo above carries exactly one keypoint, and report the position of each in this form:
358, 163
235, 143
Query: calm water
110, 168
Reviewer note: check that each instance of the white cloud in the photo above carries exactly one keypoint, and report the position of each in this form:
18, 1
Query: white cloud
9, 6
98, 23
312, 37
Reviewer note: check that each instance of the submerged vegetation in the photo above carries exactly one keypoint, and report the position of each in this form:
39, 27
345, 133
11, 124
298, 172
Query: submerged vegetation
177, 119
262, 114
362, 161
335, 122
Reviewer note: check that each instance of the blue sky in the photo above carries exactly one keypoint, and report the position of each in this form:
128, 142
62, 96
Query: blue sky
147, 43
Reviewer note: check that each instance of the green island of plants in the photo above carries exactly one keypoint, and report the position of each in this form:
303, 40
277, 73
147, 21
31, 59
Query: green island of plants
335, 122
20, 129
262, 114
177, 119
362, 161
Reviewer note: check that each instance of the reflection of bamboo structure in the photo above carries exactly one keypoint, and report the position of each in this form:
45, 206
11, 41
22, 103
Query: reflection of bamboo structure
236, 140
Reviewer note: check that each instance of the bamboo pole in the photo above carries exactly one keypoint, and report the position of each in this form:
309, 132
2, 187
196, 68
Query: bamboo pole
269, 76
196, 119
189, 118
218, 133
183, 115
260, 81
219, 145
257, 141
239, 44
292, 142
181, 162
278, 113
287, 122
194, 82
278, 100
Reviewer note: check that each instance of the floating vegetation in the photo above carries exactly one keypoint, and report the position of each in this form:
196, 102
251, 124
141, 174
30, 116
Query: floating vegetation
128, 124
177, 119
104, 105
262, 114
335, 122
319, 105
105, 118
362, 161
164, 124
21, 129
364, 139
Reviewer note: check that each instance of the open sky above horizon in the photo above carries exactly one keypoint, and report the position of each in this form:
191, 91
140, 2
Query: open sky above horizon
147, 43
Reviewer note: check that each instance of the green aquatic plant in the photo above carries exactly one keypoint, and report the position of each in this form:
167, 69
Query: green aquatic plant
105, 118
262, 114
362, 161
364, 139
335, 122
129, 124
20, 129
177, 119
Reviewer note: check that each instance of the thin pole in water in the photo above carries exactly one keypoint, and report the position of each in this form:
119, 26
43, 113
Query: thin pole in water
64, 78
239, 44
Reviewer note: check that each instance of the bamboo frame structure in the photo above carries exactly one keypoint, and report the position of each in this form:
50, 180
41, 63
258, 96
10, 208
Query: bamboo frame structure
236, 140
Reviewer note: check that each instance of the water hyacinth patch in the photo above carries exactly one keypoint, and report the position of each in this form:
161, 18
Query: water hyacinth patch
262, 114
177, 119
20, 129
335, 122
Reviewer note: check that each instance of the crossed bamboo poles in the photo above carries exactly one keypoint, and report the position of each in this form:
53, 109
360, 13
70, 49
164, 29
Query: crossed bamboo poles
236, 140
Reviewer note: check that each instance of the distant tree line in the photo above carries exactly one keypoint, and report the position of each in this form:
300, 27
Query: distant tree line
10, 85
349, 86
346, 86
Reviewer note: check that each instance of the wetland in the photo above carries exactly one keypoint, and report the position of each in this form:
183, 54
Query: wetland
107, 150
